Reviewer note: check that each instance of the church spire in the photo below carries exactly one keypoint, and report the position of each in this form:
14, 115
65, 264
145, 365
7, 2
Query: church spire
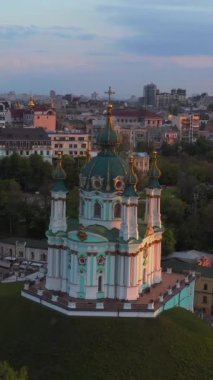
154, 173
131, 180
59, 175
108, 138
153, 194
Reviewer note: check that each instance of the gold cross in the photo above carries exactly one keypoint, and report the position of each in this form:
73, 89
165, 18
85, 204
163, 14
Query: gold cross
109, 92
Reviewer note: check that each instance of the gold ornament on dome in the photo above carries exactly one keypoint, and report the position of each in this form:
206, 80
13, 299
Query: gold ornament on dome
82, 235
119, 183
97, 183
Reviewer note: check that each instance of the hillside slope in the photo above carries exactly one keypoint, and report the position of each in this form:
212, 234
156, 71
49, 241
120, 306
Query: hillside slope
176, 345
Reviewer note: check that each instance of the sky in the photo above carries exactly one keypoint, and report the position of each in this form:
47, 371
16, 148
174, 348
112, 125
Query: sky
81, 46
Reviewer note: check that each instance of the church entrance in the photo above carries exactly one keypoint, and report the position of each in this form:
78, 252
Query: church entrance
100, 293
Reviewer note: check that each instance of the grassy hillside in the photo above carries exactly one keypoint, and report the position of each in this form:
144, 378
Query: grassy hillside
177, 345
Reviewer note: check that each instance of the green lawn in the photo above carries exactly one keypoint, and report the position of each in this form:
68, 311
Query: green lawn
176, 345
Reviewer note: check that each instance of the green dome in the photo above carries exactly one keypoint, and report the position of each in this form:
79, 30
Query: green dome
106, 173
108, 138
59, 173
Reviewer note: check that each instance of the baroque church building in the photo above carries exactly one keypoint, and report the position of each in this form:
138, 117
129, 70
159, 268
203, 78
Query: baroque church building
108, 261
108, 253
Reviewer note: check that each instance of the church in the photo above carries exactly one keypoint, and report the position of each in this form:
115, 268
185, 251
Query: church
108, 259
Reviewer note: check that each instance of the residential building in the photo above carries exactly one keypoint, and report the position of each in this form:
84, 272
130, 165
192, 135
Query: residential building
141, 161
25, 141
45, 119
22, 249
170, 134
188, 125
150, 95
75, 144
5, 114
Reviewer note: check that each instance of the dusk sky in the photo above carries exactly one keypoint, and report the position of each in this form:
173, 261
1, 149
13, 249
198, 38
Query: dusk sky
83, 46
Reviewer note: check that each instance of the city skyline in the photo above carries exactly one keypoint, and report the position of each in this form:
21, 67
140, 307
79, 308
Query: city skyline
83, 47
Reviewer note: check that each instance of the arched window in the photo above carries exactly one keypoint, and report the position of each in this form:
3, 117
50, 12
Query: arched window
100, 283
82, 204
97, 210
205, 287
117, 210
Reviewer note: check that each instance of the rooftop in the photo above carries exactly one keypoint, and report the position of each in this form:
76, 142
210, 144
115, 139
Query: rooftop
23, 133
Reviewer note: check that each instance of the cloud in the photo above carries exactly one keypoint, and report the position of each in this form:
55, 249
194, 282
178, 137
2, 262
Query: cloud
192, 6
193, 62
164, 28
11, 32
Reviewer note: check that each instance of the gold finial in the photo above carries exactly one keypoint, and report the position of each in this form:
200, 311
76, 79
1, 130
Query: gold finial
109, 93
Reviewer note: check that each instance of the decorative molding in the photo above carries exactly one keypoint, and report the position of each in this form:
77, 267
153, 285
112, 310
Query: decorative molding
82, 260
119, 183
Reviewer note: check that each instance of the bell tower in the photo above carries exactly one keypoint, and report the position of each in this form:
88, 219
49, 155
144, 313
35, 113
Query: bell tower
58, 199
55, 280
153, 194
129, 227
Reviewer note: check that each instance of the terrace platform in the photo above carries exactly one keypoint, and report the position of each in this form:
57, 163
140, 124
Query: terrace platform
174, 290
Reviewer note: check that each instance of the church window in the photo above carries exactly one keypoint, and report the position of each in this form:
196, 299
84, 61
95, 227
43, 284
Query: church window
100, 284
117, 210
42, 257
32, 255
205, 300
97, 210
205, 287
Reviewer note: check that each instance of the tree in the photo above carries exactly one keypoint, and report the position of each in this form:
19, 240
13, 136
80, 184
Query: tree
73, 203
72, 168
168, 242
169, 171
11, 203
8, 373
174, 211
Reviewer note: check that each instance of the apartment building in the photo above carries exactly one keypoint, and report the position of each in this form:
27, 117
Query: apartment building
25, 141
74, 144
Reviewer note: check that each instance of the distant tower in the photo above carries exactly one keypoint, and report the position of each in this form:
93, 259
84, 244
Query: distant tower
150, 94
57, 224
129, 227
153, 194
52, 94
